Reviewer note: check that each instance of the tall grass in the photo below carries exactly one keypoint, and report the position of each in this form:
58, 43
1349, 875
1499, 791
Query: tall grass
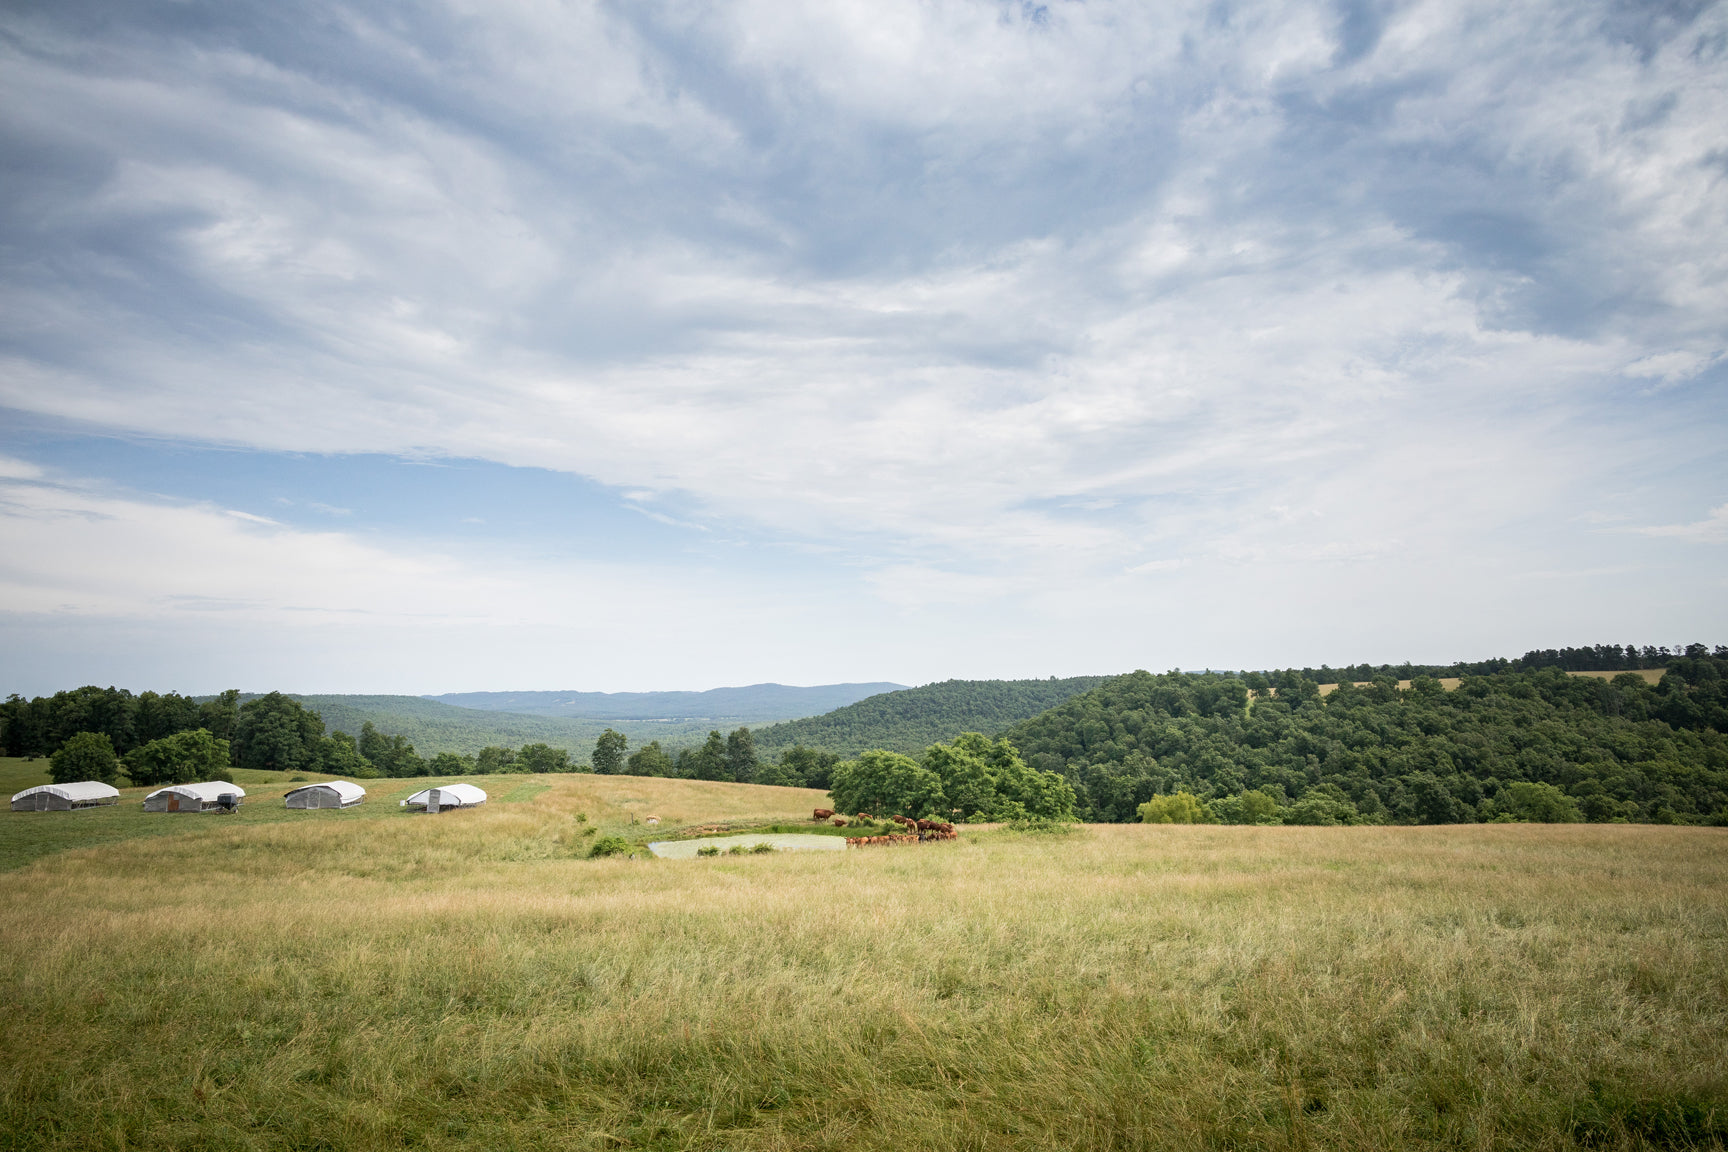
466, 981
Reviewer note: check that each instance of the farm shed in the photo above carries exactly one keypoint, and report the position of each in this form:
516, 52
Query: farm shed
446, 796
202, 797
330, 794
64, 797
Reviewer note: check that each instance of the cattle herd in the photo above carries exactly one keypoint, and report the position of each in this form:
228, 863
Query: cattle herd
914, 832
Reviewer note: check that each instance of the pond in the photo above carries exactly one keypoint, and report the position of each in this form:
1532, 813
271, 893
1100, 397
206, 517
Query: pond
783, 841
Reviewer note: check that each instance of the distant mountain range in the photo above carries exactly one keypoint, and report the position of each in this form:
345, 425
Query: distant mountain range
752, 704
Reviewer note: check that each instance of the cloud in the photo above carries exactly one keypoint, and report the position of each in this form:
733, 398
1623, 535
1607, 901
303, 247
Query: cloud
981, 299
1712, 527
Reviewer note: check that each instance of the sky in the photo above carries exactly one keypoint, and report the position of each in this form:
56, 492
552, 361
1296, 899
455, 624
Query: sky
504, 345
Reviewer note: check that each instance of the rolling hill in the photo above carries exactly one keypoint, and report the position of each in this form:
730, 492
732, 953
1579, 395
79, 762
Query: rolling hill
751, 704
912, 719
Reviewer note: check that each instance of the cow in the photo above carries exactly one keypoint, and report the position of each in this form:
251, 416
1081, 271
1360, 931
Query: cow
823, 814
839, 821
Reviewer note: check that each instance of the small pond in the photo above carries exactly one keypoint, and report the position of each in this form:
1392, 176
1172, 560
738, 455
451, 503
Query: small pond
784, 841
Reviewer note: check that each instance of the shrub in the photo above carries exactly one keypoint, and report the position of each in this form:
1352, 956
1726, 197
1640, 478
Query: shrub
1324, 805
609, 846
708, 851
1252, 807
1179, 808
1537, 804
1042, 824
759, 849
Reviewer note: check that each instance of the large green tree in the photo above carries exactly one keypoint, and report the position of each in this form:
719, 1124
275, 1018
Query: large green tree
986, 779
651, 760
277, 733
86, 756
885, 783
182, 758
391, 755
608, 755
543, 758
741, 756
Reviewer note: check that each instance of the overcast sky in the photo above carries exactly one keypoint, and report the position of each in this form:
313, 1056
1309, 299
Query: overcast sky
649, 345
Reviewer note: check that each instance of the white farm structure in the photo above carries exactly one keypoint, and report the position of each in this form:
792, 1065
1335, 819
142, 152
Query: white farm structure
64, 797
206, 796
330, 794
446, 796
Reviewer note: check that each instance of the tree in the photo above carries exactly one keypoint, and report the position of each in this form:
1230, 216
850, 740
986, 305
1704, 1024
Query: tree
707, 762
1251, 807
86, 756
221, 715
450, 764
392, 756
341, 757
813, 767
1177, 808
887, 783
1537, 804
986, 779
492, 758
277, 733
741, 756
651, 760
1432, 802
608, 756
182, 758
542, 758
1324, 805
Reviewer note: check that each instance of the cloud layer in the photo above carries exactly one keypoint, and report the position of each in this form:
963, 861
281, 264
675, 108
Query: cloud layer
1159, 309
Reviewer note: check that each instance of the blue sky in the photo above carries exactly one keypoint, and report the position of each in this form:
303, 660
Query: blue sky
440, 347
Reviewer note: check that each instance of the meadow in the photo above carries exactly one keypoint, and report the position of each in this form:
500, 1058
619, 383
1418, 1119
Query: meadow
374, 979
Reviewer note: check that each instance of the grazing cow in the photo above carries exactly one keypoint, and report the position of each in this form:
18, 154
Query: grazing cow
839, 821
865, 816
823, 814
904, 820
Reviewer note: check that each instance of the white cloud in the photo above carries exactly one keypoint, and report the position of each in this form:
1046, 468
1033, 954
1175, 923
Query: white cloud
988, 303
1712, 527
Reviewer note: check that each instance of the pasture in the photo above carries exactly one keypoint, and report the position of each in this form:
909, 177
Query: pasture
372, 979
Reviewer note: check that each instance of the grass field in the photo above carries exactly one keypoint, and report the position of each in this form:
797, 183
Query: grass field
373, 979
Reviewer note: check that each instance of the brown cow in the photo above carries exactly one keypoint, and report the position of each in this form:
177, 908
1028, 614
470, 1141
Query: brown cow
839, 821
822, 814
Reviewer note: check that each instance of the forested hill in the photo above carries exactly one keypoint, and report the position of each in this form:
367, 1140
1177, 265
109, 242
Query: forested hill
1599, 749
912, 719
752, 704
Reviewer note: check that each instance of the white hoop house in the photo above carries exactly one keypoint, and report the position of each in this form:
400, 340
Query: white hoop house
206, 796
64, 797
330, 794
446, 796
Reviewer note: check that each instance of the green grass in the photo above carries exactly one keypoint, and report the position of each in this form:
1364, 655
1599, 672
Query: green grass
469, 981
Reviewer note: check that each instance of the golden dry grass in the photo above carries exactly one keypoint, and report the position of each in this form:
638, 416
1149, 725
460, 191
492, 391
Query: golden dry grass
466, 981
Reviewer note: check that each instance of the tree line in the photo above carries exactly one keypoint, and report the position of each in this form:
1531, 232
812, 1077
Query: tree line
1514, 744
152, 738
911, 720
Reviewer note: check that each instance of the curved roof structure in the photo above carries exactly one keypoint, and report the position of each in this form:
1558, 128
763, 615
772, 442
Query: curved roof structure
207, 791
342, 788
449, 796
83, 790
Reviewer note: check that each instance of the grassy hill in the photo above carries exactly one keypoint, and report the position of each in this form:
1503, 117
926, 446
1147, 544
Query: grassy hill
753, 704
912, 719
372, 979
